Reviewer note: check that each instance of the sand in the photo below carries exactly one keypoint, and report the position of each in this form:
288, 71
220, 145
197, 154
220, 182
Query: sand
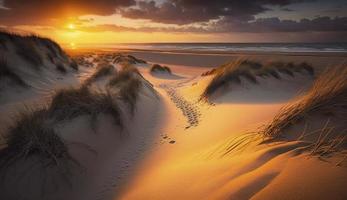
177, 147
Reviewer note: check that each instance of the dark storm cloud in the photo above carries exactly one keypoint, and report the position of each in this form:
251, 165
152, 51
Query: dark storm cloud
189, 11
40, 11
323, 24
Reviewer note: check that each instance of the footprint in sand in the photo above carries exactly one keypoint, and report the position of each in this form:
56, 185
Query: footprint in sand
189, 110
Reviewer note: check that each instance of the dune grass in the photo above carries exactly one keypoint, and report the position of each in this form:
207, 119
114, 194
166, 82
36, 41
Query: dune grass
28, 46
6, 72
3, 44
328, 96
119, 58
32, 136
71, 103
51, 45
17, 38
101, 71
327, 144
28, 51
127, 83
136, 59
232, 72
159, 68
73, 64
33, 133
60, 67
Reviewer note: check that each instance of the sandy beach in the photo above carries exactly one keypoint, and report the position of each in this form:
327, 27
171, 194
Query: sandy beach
129, 124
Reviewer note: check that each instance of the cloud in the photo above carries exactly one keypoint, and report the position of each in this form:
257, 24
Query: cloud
323, 24
105, 27
228, 25
190, 11
26, 12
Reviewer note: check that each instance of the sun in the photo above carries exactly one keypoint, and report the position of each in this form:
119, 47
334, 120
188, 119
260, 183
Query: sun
72, 45
71, 26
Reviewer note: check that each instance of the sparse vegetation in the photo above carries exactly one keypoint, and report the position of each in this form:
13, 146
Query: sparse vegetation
50, 58
249, 70
73, 65
210, 72
327, 97
119, 58
60, 67
33, 133
136, 59
29, 47
6, 72
28, 51
101, 71
127, 84
31, 136
3, 44
71, 103
159, 68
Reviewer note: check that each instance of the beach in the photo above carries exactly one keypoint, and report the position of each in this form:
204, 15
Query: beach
147, 124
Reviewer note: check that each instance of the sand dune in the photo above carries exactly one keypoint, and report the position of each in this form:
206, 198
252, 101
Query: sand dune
113, 126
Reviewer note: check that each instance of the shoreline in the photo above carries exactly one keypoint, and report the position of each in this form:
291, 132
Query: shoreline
215, 53
213, 59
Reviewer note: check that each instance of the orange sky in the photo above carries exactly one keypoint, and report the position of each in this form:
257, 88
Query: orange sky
137, 21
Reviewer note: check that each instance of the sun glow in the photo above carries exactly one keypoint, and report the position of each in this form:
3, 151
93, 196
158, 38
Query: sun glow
71, 26
72, 45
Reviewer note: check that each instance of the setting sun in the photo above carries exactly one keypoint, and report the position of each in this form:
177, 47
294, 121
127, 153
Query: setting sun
173, 99
72, 26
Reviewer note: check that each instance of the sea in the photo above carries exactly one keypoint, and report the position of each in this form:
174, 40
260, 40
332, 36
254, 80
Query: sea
235, 47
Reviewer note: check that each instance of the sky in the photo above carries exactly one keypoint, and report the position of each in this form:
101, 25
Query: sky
148, 21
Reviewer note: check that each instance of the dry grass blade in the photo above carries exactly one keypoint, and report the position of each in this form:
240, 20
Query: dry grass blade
6, 72
327, 96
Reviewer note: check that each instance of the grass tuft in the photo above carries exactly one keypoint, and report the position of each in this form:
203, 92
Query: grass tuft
71, 103
159, 68
31, 136
28, 51
101, 71
6, 72
60, 67
27, 47
327, 95
232, 72
73, 64
119, 58
127, 84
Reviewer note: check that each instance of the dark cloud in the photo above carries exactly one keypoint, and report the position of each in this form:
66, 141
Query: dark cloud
324, 24
43, 11
189, 11
287, 9
117, 28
